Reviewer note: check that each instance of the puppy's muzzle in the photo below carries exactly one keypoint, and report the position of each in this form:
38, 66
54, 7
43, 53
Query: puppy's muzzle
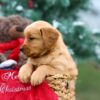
25, 49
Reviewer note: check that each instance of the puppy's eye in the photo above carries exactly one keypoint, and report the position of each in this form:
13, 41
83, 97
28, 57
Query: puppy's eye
31, 38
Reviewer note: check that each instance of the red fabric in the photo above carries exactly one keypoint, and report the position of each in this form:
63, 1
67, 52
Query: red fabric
13, 45
12, 89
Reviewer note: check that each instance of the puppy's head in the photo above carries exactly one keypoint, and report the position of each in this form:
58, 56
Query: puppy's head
40, 37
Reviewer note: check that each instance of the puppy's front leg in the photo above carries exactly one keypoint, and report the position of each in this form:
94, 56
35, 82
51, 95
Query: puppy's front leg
40, 74
25, 73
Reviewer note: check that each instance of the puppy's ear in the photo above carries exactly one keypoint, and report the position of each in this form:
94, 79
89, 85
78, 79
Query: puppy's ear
50, 36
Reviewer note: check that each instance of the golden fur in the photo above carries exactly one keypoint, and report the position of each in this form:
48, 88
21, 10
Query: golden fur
46, 52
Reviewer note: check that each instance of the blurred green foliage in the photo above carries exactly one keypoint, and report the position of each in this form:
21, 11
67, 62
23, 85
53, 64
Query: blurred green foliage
88, 83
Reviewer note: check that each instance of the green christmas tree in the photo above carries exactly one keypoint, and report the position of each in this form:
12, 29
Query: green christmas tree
63, 15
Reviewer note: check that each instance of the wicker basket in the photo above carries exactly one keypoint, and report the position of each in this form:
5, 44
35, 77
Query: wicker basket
63, 85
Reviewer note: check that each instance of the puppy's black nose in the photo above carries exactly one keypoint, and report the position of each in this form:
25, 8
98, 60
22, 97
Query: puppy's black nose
21, 48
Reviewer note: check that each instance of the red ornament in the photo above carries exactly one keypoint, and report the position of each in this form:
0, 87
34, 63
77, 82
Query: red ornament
30, 4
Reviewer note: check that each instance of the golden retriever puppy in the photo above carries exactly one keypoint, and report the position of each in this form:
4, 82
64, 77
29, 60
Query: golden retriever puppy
46, 52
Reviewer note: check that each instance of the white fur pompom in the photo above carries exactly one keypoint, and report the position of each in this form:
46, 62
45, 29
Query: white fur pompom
8, 63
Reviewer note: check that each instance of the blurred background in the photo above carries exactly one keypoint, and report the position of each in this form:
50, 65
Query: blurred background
79, 23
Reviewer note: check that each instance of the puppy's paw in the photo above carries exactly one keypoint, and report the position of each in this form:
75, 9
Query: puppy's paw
24, 77
37, 79
25, 74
